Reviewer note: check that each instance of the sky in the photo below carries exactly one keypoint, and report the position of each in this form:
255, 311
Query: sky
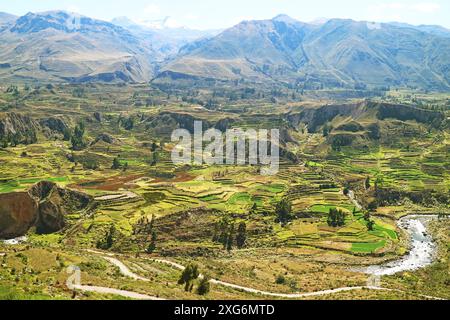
218, 14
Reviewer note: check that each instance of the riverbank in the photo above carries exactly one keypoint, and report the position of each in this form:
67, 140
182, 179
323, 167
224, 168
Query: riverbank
423, 249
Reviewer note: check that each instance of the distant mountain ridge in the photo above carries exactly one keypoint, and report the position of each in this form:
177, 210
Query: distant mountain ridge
167, 40
6, 20
62, 46
335, 53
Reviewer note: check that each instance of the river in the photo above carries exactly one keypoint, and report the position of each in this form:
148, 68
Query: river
422, 252
15, 241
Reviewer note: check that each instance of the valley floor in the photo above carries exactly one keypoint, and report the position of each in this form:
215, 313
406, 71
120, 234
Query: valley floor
147, 219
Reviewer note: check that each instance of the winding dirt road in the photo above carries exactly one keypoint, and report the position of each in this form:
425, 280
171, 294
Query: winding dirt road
127, 272
123, 293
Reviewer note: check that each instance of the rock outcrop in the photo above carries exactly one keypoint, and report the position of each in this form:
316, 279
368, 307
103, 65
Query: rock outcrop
16, 126
44, 207
106, 138
55, 124
18, 212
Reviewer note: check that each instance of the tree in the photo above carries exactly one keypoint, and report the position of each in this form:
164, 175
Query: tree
283, 211
241, 237
280, 279
154, 159
67, 135
370, 225
204, 286
90, 164
326, 130
367, 183
116, 164
127, 123
374, 131
77, 137
230, 238
110, 237
152, 246
254, 208
189, 274
373, 206
78, 92
108, 241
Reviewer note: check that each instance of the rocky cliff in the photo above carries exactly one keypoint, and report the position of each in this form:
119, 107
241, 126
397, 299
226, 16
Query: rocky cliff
18, 128
44, 207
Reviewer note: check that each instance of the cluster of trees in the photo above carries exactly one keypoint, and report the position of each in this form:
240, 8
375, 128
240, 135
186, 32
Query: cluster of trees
116, 165
283, 211
147, 228
77, 138
155, 153
152, 245
90, 164
327, 128
369, 222
78, 92
374, 131
13, 140
189, 275
126, 123
153, 236
13, 90
107, 241
225, 233
340, 141
336, 218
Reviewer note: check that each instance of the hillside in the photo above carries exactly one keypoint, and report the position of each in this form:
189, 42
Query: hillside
338, 53
63, 46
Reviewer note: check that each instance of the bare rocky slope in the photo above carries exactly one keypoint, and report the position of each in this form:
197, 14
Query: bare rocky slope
44, 207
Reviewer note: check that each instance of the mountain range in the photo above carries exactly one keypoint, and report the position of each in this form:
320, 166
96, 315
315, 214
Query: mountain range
165, 38
338, 53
